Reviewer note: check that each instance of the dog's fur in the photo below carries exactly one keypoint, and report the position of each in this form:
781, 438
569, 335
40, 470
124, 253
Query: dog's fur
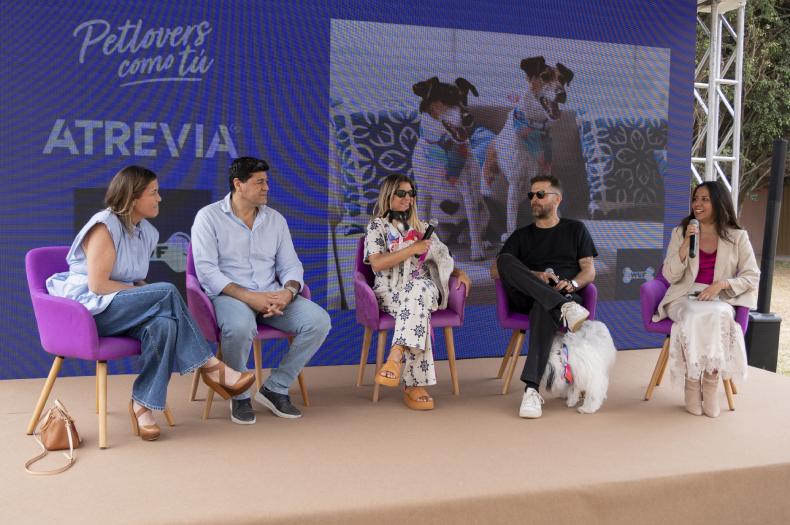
591, 355
511, 156
446, 123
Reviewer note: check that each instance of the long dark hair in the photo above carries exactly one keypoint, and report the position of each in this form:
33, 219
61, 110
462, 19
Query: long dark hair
723, 211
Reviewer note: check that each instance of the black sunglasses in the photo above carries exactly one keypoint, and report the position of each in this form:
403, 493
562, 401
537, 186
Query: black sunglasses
402, 193
540, 194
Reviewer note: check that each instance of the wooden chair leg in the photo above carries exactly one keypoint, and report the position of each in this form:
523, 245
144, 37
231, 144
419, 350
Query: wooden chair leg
506, 357
210, 394
728, 391
208, 403
169, 416
195, 381
516, 353
363, 354
303, 389
733, 387
449, 342
658, 369
382, 343
664, 363
42, 398
258, 357
101, 373
97, 392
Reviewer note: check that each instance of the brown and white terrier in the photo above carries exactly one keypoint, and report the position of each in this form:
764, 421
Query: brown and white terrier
522, 149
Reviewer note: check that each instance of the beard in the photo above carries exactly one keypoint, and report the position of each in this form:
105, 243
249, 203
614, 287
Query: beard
541, 212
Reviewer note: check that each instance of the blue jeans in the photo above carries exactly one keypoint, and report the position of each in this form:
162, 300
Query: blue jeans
238, 325
157, 316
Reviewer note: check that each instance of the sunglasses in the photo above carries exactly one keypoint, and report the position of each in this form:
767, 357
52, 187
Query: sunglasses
402, 193
540, 194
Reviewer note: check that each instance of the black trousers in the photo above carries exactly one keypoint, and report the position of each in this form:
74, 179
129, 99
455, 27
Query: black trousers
528, 294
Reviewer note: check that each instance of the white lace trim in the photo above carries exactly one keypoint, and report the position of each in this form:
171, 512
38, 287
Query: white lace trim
723, 350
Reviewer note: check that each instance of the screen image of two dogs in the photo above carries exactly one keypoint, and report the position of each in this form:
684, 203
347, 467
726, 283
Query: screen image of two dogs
456, 165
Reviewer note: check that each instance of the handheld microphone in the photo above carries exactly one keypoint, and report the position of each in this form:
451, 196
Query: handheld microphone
432, 224
693, 239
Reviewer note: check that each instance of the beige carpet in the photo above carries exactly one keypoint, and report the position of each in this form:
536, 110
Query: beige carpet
472, 460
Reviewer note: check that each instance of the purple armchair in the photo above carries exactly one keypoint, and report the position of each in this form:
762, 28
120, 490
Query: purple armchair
373, 319
650, 295
519, 323
202, 310
67, 329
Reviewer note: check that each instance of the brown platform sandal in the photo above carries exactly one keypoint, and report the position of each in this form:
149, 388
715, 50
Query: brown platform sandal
411, 397
146, 432
226, 391
394, 367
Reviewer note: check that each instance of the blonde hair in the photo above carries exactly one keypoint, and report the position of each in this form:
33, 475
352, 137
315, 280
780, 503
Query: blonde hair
387, 189
125, 187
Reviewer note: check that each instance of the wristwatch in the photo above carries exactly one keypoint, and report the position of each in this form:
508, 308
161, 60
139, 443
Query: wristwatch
574, 284
294, 290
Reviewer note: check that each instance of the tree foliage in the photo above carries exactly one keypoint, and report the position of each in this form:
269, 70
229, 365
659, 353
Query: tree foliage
766, 88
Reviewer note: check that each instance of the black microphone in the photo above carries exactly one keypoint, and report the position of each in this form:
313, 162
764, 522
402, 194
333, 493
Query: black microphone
693, 239
430, 229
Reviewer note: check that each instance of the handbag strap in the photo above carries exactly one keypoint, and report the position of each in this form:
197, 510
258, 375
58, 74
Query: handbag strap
69, 455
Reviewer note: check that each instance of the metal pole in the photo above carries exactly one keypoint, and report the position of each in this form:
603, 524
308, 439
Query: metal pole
771, 225
736, 124
711, 146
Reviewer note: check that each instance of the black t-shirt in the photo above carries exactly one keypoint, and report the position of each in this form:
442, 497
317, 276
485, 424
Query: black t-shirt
559, 247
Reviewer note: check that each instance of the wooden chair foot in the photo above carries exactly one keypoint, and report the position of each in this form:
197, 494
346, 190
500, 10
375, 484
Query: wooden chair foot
44, 396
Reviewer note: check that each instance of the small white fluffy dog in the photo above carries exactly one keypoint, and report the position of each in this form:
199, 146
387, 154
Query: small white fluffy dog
590, 353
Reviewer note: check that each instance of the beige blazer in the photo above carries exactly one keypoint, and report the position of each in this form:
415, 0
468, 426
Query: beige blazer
735, 262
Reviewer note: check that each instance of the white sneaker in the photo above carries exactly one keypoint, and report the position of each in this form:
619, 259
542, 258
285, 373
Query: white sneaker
531, 404
573, 315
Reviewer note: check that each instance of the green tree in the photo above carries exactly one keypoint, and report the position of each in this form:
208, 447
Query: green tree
766, 88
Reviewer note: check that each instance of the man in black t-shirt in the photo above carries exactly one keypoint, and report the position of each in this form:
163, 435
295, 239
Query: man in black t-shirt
542, 266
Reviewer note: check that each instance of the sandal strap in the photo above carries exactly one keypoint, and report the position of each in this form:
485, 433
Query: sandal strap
220, 367
415, 393
209, 369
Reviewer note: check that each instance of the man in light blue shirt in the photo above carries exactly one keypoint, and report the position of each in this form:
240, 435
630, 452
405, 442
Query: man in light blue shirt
246, 262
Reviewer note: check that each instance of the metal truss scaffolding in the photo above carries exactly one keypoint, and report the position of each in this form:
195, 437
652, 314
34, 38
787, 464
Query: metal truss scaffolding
715, 152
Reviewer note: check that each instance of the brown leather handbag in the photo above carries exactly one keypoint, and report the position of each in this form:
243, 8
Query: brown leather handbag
57, 431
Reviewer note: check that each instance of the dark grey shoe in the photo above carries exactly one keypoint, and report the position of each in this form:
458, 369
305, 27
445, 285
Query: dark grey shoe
279, 404
241, 411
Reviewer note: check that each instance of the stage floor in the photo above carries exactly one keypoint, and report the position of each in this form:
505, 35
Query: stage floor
471, 460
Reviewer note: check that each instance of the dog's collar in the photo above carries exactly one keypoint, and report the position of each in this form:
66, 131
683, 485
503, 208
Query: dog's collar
521, 121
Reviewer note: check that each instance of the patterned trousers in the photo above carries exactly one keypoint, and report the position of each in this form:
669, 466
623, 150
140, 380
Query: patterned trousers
411, 306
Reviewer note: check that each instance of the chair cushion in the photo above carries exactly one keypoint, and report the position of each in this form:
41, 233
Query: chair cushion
117, 347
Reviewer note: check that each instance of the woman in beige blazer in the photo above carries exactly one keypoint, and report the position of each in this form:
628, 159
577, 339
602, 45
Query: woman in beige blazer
706, 341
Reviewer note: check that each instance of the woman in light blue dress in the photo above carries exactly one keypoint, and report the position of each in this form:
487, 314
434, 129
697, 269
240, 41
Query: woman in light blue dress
108, 263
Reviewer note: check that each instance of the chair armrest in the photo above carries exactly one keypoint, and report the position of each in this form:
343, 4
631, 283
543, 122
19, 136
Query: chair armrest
66, 328
306, 292
367, 307
650, 295
202, 310
589, 295
742, 317
457, 298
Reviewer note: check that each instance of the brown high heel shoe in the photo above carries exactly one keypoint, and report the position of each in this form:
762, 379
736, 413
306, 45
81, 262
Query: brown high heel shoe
224, 390
146, 432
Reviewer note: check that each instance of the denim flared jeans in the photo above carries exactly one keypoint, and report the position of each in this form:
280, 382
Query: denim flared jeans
171, 342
